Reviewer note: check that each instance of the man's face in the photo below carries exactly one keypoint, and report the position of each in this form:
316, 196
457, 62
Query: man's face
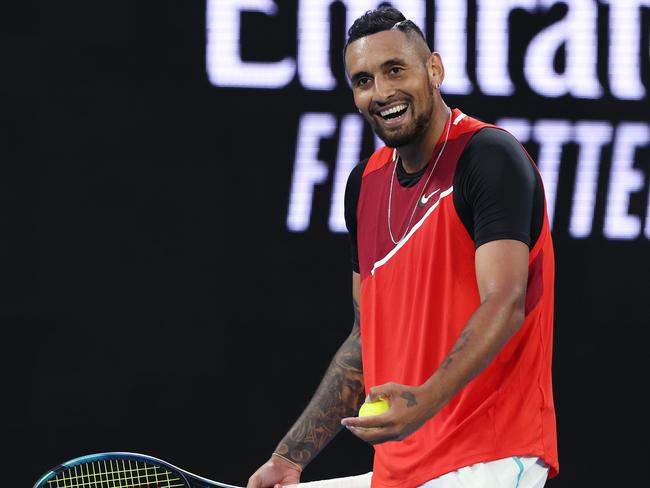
391, 85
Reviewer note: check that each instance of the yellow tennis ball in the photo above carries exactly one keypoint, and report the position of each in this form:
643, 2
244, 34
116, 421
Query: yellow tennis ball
373, 408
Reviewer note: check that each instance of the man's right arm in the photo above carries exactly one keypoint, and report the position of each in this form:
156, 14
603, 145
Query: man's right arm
339, 395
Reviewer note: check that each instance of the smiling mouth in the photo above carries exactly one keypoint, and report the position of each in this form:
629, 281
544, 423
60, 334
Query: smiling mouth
393, 112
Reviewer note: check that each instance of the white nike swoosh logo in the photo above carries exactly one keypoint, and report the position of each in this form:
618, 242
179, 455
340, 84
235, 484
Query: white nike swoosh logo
425, 198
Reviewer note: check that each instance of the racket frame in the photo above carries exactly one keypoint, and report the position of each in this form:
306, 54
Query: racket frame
193, 480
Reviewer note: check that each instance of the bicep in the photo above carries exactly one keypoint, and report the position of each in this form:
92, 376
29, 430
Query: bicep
502, 270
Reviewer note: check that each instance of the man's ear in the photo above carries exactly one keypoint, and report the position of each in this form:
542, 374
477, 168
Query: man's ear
436, 70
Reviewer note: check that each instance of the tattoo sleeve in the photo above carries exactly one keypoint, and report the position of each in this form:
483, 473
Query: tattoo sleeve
339, 395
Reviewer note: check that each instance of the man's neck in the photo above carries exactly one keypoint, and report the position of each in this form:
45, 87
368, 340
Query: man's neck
417, 155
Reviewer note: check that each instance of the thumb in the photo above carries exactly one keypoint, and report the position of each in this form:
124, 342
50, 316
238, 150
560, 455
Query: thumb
382, 391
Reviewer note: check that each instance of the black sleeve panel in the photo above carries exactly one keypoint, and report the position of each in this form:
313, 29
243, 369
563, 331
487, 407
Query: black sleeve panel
352, 191
498, 193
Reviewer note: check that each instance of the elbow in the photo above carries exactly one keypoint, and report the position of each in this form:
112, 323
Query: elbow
517, 318
516, 309
510, 307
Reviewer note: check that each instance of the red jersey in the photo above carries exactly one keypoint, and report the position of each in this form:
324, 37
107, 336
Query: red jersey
416, 297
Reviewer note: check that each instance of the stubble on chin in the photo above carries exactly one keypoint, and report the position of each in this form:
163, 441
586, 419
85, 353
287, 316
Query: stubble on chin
407, 136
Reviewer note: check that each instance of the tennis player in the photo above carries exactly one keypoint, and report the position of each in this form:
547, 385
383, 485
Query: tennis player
452, 284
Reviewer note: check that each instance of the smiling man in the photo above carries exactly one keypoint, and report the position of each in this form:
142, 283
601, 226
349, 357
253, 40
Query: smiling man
452, 284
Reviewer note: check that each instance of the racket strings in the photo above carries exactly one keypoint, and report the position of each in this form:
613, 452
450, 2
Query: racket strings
116, 474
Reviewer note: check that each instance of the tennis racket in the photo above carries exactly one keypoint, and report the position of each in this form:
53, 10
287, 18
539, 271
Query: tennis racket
122, 470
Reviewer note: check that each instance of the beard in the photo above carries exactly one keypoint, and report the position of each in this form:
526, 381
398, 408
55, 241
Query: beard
409, 133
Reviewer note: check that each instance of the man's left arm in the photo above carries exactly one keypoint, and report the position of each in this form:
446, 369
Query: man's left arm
502, 274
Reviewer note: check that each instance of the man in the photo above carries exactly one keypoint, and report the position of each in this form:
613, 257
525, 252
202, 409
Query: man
452, 289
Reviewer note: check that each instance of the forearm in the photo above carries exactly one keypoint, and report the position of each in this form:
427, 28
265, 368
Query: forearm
494, 322
339, 394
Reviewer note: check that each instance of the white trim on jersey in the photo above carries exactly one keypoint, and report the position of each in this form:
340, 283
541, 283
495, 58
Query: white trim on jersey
415, 227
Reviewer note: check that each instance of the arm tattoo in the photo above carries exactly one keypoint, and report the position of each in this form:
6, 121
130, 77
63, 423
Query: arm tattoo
339, 395
459, 346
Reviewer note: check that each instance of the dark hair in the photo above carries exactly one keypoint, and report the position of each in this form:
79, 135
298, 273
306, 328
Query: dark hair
384, 18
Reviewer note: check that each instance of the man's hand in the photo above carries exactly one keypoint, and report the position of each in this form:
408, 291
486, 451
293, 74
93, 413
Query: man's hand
407, 413
275, 473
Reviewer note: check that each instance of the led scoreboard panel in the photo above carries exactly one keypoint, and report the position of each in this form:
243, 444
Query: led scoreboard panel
569, 79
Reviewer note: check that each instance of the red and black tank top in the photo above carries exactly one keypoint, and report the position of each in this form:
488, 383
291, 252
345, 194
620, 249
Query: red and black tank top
416, 297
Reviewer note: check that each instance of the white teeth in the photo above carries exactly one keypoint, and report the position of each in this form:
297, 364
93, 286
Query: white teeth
397, 108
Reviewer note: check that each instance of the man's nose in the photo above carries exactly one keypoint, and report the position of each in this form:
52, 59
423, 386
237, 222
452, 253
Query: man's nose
384, 90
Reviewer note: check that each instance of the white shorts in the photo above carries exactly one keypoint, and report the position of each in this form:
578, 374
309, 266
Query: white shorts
511, 472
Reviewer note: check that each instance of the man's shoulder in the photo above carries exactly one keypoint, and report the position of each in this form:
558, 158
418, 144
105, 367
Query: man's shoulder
379, 158
493, 137
358, 170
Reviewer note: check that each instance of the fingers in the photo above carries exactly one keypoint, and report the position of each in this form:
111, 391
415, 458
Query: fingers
374, 429
371, 422
386, 391
274, 473
393, 424
254, 481
375, 435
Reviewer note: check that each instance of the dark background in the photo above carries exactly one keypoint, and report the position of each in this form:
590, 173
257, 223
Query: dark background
151, 304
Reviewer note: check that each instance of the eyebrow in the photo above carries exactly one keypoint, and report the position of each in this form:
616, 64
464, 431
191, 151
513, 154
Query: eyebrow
355, 77
386, 64
392, 62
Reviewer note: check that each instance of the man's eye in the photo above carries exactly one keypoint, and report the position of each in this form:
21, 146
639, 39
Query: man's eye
395, 70
362, 81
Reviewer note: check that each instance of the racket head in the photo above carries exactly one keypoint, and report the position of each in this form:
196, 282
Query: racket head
122, 470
